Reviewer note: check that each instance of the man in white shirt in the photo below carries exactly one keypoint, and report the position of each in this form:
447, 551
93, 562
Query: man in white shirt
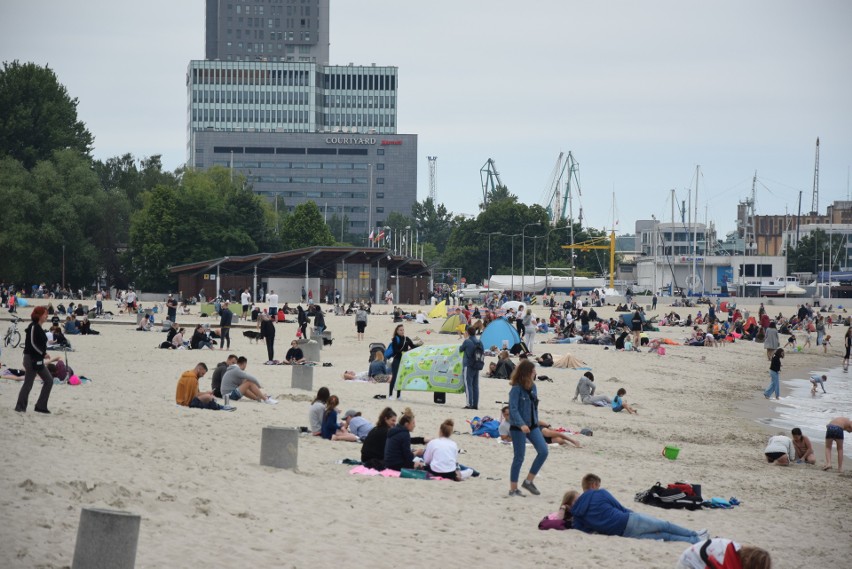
245, 300
272, 300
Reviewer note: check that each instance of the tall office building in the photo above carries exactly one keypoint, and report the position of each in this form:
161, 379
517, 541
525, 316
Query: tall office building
273, 30
298, 129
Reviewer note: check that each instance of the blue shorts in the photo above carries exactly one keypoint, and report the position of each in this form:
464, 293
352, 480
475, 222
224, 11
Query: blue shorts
235, 394
617, 409
834, 432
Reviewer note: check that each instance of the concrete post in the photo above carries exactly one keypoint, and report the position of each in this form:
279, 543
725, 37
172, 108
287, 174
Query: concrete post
106, 539
311, 349
303, 377
279, 447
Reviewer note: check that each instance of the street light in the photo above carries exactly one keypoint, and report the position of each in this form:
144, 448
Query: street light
523, 256
488, 271
512, 286
547, 258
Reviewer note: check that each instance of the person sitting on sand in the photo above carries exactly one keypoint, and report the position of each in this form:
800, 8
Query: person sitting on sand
187, 393
803, 446
238, 384
561, 519
597, 511
357, 425
834, 433
398, 453
440, 455
373, 449
504, 367
619, 404
586, 391
547, 431
199, 339
818, 380
317, 410
718, 549
295, 355
780, 450
379, 371
331, 429
221, 368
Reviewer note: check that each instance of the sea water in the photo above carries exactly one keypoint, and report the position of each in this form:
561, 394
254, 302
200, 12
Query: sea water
811, 413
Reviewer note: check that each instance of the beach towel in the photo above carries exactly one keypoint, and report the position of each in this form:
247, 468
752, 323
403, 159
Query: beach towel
674, 497
570, 362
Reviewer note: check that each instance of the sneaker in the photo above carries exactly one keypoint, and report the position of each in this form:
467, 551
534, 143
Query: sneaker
270, 401
516, 492
530, 487
703, 534
227, 408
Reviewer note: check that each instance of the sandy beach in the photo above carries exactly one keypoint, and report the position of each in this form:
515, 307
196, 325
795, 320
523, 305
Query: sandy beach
120, 442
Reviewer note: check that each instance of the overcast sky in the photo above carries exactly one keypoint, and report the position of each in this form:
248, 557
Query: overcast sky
640, 92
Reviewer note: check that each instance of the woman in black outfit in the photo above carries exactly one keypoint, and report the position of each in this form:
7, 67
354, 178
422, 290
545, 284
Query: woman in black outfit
35, 363
267, 332
373, 449
302, 320
399, 344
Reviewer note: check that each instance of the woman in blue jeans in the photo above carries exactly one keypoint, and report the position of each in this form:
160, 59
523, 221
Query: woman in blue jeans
774, 371
523, 421
597, 511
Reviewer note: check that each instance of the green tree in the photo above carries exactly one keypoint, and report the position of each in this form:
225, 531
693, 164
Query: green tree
814, 253
37, 116
305, 228
433, 221
57, 205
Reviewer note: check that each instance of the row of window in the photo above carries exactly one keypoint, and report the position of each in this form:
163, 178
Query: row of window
254, 75
370, 81
296, 150
299, 165
360, 101
320, 195
275, 116
250, 97
311, 180
274, 10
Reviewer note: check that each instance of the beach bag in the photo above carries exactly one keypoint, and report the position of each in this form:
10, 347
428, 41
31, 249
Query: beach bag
478, 357
389, 351
670, 498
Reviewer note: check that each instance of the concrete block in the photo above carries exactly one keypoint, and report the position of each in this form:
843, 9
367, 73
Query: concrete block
106, 539
303, 377
279, 447
312, 350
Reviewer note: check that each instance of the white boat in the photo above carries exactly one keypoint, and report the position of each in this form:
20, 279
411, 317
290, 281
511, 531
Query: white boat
538, 284
773, 286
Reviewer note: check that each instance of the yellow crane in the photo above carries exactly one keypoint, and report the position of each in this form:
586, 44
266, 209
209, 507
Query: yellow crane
595, 243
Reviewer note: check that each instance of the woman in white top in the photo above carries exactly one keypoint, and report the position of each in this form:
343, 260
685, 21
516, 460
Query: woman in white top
441, 453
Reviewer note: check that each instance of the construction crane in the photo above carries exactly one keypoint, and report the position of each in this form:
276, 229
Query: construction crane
557, 204
596, 243
433, 178
490, 179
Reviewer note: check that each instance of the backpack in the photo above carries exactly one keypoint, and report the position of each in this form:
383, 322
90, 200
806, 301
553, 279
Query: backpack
478, 356
673, 497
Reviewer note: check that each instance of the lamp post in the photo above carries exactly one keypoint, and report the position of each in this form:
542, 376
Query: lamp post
512, 286
547, 258
370, 207
488, 269
523, 257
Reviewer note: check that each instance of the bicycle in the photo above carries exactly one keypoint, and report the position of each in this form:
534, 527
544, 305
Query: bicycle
13, 337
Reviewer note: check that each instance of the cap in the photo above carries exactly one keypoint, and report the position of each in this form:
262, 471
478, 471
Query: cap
350, 413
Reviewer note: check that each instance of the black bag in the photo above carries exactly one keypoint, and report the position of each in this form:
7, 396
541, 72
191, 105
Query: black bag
478, 357
439, 397
546, 360
670, 498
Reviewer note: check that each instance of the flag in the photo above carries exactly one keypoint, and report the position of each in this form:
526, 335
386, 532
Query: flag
381, 235
388, 236
371, 235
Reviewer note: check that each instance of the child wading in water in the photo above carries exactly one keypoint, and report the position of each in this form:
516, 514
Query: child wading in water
618, 403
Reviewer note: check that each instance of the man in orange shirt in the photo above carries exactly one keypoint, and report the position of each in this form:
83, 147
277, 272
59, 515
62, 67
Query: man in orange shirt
187, 393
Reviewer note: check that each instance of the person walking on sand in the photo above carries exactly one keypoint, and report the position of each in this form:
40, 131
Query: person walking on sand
834, 433
226, 318
524, 425
770, 341
847, 343
36, 359
774, 375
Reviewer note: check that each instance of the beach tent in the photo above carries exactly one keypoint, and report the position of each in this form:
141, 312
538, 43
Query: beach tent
569, 362
22, 302
452, 325
514, 305
431, 368
498, 331
440, 310
627, 319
